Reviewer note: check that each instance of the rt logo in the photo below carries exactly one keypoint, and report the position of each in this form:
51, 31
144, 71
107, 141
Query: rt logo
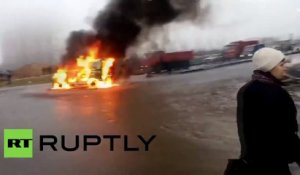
18, 143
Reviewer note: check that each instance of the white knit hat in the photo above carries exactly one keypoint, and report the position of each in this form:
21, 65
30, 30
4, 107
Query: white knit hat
266, 59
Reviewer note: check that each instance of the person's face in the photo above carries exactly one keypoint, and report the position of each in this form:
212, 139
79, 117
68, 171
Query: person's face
280, 71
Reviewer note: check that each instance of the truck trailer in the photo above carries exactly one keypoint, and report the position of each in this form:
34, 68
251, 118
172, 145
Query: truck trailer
157, 62
235, 49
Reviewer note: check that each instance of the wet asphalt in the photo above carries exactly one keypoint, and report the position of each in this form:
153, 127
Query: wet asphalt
137, 107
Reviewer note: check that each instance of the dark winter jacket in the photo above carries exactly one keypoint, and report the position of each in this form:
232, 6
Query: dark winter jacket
267, 124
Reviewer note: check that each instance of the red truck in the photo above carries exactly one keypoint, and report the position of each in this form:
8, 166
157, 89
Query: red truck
160, 61
234, 49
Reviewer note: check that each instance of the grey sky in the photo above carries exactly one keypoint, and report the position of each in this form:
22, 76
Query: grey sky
229, 20
72, 13
56, 16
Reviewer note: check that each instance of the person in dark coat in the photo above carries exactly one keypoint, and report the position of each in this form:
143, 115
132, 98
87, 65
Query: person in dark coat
266, 117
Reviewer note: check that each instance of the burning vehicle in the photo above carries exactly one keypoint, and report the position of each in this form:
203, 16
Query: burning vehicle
118, 27
88, 71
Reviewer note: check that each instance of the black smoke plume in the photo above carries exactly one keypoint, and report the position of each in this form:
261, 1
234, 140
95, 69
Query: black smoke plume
119, 25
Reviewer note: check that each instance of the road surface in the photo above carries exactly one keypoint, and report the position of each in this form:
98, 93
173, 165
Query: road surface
192, 115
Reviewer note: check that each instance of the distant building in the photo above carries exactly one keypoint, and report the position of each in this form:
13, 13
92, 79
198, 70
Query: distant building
32, 70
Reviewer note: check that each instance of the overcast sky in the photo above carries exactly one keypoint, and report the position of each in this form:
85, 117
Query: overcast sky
229, 20
61, 16
71, 13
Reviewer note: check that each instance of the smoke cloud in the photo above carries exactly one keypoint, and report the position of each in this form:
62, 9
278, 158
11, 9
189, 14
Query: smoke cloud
37, 33
122, 22
228, 20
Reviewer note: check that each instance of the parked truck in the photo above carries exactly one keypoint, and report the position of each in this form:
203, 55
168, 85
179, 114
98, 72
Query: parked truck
249, 51
235, 49
160, 61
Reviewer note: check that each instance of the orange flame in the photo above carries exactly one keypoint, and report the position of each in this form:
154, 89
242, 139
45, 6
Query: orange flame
60, 78
90, 72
